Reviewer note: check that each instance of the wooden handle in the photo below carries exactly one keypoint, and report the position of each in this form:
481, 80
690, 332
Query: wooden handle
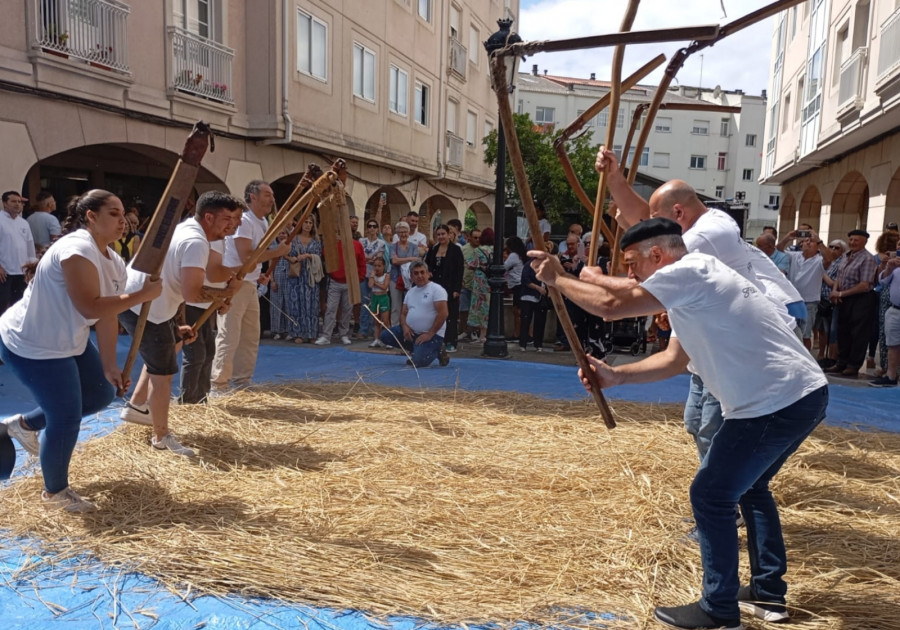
135, 343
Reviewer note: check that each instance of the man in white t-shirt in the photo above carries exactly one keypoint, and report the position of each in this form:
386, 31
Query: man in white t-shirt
423, 320
415, 235
16, 249
807, 268
183, 276
237, 340
773, 394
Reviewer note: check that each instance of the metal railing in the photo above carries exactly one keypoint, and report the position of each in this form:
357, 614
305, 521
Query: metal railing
200, 66
454, 150
889, 47
459, 56
94, 31
850, 92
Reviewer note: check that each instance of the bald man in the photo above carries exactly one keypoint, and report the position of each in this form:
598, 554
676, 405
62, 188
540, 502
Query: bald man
767, 245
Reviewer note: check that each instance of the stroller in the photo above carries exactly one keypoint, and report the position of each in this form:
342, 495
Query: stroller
630, 333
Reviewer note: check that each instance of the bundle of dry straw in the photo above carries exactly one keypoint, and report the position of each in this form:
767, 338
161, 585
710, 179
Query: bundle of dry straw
462, 508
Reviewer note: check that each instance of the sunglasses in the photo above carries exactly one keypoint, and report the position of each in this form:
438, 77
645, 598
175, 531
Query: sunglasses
833, 247
374, 225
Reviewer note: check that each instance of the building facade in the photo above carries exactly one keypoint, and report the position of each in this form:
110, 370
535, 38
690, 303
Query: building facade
102, 93
716, 152
831, 127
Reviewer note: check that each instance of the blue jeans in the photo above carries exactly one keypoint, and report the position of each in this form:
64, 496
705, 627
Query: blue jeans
702, 415
366, 322
65, 390
744, 456
423, 354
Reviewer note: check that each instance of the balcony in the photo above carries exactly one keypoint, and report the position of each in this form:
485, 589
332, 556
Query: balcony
889, 50
850, 92
458, 57
454, 150
200, 66
90, 31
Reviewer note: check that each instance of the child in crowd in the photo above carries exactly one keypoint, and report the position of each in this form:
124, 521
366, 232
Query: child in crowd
380, 283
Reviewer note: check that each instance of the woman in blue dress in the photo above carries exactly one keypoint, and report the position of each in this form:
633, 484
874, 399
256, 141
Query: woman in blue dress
305, 290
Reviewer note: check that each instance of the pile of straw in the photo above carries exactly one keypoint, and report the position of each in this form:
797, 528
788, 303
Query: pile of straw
462, 508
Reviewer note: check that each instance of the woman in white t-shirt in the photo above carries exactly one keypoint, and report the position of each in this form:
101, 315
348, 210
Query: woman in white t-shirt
44, 338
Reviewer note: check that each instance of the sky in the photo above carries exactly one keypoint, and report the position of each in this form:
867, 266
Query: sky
738, 62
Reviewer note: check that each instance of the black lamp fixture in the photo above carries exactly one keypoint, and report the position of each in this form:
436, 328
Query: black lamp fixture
495, 346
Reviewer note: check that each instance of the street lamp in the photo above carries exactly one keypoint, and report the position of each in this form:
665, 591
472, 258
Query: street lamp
495, 346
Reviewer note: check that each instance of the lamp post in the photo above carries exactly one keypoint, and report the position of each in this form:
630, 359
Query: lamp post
495, 346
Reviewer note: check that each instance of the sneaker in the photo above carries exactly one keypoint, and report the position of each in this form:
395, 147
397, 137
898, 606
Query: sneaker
171, 443
136, 414
323, 341
693, 617
375, 344
443, 358
538, 349
30, 440
881, 381
522, 348
767, 611
463, 337
346, 340
66, 500
450, 348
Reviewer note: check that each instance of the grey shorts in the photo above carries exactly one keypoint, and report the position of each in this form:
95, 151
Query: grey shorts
892, 326
465, 300
157, 347
811, 309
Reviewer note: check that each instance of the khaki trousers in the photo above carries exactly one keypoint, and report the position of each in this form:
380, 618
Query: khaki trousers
237, 342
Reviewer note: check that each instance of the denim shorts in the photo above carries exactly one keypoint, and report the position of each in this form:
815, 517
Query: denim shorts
892, 326
157, 347
465, 300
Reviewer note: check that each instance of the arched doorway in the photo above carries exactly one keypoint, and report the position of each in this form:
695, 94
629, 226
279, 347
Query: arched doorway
788, 216
429, 209
810, 210
892, 200
483, 214
396, 207
850, 204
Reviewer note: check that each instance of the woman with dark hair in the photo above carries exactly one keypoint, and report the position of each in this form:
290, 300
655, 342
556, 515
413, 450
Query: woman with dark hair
304, 302
44, 338
515, 259
445, 261
480, 306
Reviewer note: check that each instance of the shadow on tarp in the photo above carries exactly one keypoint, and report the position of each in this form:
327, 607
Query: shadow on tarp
84, 593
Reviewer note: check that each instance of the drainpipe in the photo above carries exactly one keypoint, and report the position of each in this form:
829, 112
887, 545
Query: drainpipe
285, 79
442, 141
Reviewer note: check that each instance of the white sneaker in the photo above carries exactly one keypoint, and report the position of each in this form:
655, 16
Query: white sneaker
171, 443
30, 440
136, 414
522, 348
376, 344
323, 341
67, 500
538, 349
346, 340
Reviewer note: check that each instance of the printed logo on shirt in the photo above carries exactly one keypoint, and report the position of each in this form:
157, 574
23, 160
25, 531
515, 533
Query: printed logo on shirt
748, 291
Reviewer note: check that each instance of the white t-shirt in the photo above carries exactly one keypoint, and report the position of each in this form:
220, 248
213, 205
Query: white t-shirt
414, 237
513, 265
716, 234
251, 227
45, 324
806, 275
421, 312
189, 248
215, 246
751, 361
16, 243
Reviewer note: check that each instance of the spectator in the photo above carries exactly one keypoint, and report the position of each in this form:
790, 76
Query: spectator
465, 296
572, 263
826, 314
768, 229
16, 249
339, 296
373, 247
423, 320
534, 305
446, 263
281, 317
44, 225
456, 232
766, 244
403, 252
885, 249
807, 267
542, 221
127, 246
890, 281
416, 236
513, 264
379, 282
307, 248
480, 304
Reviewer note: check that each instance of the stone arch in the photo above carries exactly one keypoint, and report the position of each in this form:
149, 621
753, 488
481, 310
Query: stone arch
483, 214
434, 203
850, 204
810, 210
395, 209
892, 200
787, 217
134, 172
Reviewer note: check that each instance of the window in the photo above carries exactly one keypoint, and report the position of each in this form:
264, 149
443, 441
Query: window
455, 19
520, 107
603, 119
748, 175
488, 128
698, 162
544, 115
700, 128
774, 201
786, 116
620, 119
312, 45
399, 90
645, 156
661, 160
425, 10
363, 72
725, 127
720, 192
452, 116
422, 104
197, 16
751, 140
721, 161
590, 122
471, 121
799, 100
663, 124
474, 44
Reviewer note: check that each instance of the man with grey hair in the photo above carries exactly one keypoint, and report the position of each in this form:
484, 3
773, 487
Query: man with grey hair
237, 341
45, 227
726, 328
767, 245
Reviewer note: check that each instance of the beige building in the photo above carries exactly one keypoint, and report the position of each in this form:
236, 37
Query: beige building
102, 93
832, 139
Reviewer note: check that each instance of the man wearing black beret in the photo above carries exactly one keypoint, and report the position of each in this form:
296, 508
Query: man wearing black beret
856, 303
726, 328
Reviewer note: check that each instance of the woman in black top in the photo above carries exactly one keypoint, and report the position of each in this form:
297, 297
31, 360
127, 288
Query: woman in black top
445, 261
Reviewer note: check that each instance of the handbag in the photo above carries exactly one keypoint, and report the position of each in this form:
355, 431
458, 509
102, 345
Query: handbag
294, 269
